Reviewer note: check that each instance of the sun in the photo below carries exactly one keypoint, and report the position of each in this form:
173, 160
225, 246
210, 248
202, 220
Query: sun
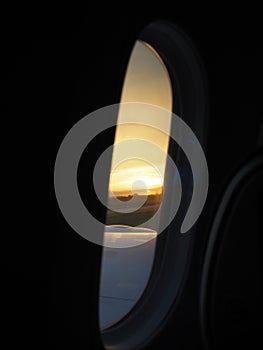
137, 177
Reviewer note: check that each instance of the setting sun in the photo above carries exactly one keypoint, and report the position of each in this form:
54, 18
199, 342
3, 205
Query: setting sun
137, 176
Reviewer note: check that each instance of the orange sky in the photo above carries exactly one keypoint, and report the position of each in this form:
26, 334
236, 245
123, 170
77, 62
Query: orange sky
147, 81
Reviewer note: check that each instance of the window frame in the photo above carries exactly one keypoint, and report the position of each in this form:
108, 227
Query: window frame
173, 252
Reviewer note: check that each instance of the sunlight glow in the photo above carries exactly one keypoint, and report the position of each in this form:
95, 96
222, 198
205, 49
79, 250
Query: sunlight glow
146, 81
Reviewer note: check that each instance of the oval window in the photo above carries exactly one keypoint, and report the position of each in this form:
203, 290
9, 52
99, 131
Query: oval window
143, 272
129, 242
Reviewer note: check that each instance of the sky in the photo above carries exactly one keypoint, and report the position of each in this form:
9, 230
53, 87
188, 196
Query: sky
146, 81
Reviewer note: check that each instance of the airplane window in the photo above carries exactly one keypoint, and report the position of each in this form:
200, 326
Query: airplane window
129, 248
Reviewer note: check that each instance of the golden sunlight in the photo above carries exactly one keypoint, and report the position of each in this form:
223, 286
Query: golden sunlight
146, 81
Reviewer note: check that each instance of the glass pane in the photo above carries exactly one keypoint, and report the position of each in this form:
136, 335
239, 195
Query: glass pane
127, 259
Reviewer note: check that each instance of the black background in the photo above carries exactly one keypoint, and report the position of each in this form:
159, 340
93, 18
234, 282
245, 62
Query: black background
56, 67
